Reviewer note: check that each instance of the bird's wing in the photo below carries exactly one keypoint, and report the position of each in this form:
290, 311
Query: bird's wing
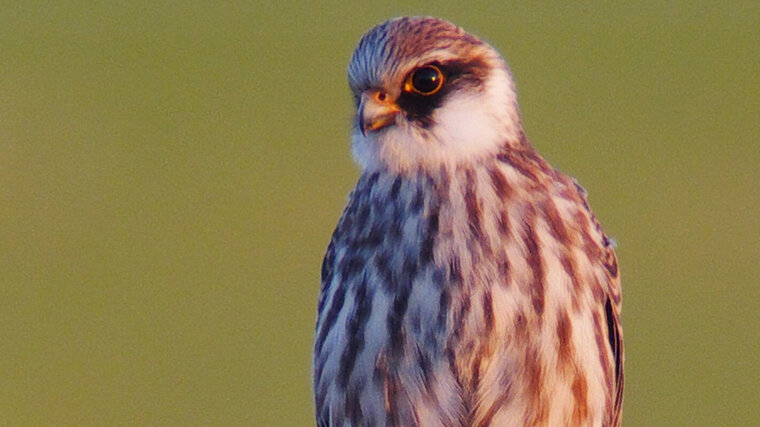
612, 309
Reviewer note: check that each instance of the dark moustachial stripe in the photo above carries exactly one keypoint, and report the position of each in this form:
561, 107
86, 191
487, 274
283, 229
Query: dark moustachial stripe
459, 75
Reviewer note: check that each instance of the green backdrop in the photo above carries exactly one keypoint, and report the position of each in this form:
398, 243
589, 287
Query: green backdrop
170, 175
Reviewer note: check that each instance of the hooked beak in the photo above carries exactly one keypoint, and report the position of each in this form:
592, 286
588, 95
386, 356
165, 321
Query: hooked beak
376, 111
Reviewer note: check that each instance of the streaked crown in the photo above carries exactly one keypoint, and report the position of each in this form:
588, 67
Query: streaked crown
470, 113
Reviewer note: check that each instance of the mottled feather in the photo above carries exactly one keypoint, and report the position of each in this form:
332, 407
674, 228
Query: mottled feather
467, 283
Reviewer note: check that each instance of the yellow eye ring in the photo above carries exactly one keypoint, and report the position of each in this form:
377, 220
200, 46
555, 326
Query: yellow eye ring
426, 80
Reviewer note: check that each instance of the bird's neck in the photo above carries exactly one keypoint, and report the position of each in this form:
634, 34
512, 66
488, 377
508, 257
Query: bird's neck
429, 215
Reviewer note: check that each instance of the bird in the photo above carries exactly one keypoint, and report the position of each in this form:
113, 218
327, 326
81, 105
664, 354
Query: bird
467, 282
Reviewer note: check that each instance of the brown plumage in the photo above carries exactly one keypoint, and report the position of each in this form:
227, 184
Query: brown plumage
467, 283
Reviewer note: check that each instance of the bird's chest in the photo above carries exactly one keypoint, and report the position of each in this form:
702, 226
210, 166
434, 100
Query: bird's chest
430, 255
436, 288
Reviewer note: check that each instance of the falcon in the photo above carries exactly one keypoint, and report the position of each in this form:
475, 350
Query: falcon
467, 282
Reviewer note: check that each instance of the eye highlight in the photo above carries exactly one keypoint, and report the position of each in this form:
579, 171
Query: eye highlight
424, 81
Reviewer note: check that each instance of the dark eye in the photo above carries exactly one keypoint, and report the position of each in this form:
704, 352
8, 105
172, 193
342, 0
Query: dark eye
425, 80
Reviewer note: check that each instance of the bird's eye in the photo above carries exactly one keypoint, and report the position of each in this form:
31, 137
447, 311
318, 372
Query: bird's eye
425, 80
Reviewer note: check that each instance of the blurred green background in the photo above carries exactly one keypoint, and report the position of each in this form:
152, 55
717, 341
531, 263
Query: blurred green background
170, 175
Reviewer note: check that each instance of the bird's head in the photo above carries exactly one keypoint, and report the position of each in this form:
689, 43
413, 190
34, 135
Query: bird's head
427, 95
